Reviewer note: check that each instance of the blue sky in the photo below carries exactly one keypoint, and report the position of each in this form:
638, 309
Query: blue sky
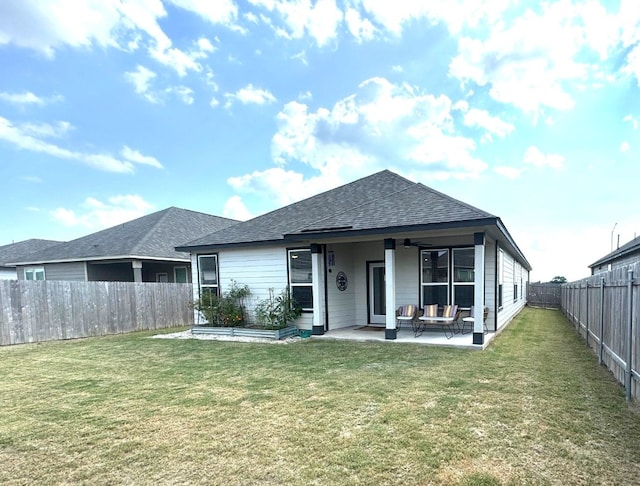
110, 110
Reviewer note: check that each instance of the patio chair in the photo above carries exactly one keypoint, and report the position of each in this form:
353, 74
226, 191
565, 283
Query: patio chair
446, 321
405, 313
470, 320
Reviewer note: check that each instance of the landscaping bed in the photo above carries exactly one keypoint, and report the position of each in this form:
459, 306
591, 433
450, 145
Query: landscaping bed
277, 334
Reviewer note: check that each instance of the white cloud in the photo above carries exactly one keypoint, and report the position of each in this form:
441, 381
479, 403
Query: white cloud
455, 14
95, 215
625, 147
184, 93
280, 185
27, 98
141, 79
234, 208
521, 66
632, 120
535, 157
47, 130
30, 137
320, 20
47, 26
381, 123
217, 12
361, 29
508, 172
250, 95
632, 66
494, 125
136, 157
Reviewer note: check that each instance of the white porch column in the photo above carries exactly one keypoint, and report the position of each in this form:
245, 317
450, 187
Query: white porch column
137, 270
319, 306
478, 296
390, 288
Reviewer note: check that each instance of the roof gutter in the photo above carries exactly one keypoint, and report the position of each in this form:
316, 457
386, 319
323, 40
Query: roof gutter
100, 258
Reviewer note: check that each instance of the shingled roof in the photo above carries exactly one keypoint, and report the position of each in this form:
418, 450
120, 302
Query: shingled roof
154, 236
382, 202
626, 250
16, 251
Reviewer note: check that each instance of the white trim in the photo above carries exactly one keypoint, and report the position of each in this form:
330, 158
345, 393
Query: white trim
35, 269
390, 287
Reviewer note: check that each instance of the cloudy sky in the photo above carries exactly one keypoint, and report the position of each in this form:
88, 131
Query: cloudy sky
112, 109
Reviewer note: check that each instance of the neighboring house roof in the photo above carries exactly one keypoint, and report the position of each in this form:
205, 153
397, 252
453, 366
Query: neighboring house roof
16, 251
624, 251
380, 203
154, 236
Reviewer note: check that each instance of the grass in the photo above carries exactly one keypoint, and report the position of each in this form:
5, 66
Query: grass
534, 408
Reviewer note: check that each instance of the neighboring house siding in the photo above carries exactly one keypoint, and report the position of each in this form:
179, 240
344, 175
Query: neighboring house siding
73, 271
8, 274
624, 261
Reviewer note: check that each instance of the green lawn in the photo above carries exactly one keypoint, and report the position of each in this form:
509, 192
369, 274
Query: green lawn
534, 408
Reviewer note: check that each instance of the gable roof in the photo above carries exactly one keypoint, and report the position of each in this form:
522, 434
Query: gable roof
382, 202
153, 236
625, 250
16, 251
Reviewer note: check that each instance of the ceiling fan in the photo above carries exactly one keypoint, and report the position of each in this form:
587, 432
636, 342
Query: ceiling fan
408, 243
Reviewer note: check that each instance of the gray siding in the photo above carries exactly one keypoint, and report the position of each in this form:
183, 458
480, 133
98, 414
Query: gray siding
73, 271
8, 274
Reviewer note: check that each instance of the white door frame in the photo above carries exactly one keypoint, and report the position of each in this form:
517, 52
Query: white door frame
373, 274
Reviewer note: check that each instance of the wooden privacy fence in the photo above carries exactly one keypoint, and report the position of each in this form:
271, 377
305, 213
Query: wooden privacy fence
35, 311
546, 295
605, 310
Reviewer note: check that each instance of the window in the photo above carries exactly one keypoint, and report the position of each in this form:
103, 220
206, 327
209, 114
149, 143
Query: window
162, 277
180, 275
463, 276
34, 273
208, 274
435, 277
300, 278
500, 276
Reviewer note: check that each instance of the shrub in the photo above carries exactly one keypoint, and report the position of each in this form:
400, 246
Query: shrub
227, 310
277, 311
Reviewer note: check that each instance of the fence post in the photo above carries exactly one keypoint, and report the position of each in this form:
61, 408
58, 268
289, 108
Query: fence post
579, 309
627, 377
586, 318
601, 352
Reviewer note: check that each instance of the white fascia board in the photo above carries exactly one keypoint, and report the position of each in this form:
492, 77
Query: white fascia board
99, 259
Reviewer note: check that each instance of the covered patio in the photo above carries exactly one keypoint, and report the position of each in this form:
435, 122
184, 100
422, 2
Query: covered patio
431, 337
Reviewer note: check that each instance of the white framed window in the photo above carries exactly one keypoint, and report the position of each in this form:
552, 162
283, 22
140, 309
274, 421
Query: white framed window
180, 275
208, 274
301, 278
34, 273
463, 276
162, 277
435, 276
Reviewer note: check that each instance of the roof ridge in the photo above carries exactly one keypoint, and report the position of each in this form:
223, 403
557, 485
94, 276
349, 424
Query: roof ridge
351, 208
451, 198
163, 214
